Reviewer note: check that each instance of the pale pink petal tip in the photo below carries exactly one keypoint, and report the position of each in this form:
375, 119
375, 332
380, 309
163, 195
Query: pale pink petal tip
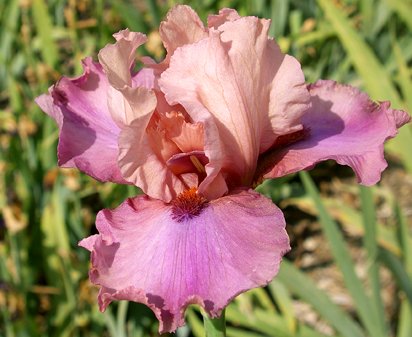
182, 26
88, 135
238, 82
343, 124
225, 14
167, 257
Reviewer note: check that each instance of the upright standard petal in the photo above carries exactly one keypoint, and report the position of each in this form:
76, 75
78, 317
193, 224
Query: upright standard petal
343, 124
88, 135
168, 256
225, 14
132, 104
182, 26
275, 72
141, 164
231, 76
118, 60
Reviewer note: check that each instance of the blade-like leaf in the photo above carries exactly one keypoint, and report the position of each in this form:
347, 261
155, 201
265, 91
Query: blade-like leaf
398, 271
234, 332
283, 300
405, 81
303, 287
403, 9
44, 28
371, 245
342, 257
195, 324
350, 218
405, 313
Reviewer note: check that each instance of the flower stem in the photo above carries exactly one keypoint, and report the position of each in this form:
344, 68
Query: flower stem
214, 327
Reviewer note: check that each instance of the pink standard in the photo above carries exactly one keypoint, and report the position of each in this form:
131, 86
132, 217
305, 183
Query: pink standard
224, 110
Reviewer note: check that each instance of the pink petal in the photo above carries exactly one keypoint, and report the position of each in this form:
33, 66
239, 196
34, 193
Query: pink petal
141, 161
187, 136
225, 14
182, 26
88, 135
238, 76
145, 254
214, 185
163, 107
345, 125
144, 78
145, 150
118, 60
132, 108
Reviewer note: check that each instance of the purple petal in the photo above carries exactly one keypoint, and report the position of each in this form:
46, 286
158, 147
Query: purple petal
88, 135
343, 124
150, 252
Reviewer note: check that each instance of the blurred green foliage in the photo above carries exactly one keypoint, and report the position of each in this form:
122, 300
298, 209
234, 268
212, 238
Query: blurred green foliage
45, 211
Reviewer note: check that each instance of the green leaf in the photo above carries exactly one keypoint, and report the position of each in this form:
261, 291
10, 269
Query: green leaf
121, 318
350, 218
342, 257
263, 299
214, 327
404, 238
301, 330
395, 266
44, 29
233, 332
303, 287
405, 322
132, 17
365, 61
275, 326
371, 245
195, 324
405, 313
279, 14
283, 300
154, 12
403, 9
405, 81
8, 30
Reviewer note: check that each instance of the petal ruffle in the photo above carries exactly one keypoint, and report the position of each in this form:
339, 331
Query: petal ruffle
132, 102
182, 26
343, 124
142, 254
142, 166
88, 135
118, 60
279, 74
225, 14
233, 76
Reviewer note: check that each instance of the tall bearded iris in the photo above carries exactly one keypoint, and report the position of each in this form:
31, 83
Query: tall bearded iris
224, 110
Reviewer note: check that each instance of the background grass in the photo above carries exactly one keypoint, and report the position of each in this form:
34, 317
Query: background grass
45, 211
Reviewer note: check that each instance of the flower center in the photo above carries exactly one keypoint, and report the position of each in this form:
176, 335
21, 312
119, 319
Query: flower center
188, 204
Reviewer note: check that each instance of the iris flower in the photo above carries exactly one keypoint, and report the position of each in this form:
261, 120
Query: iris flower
224, 110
